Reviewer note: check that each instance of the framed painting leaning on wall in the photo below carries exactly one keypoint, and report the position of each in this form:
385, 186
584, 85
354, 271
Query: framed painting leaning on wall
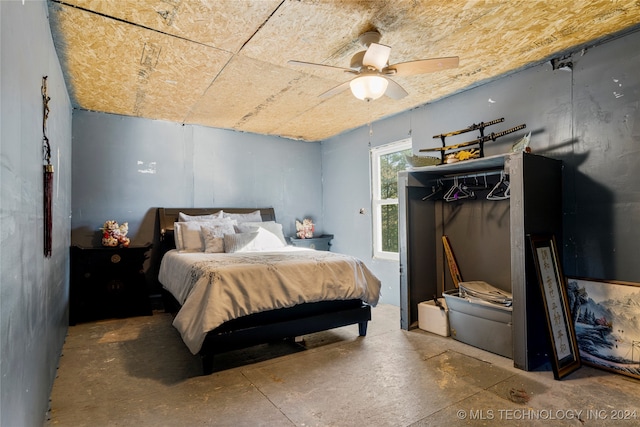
565, 356
606, 315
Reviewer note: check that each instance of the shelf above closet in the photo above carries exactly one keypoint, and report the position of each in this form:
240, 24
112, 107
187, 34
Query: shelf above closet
472, 165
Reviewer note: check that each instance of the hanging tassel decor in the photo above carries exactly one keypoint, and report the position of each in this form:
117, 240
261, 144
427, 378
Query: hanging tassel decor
48, 172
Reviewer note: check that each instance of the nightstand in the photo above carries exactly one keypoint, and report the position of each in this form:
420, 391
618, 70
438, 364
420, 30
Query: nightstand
108, 282
321, 243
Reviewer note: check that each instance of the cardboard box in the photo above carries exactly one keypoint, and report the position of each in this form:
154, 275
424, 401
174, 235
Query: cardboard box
432, 318
483, 325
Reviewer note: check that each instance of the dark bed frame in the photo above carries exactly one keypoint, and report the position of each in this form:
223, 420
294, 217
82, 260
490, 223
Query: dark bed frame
269, 326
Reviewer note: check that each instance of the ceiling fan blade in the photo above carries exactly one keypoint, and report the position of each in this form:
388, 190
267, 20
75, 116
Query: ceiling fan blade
336, 90
422, 66
314, 65
394, 90
376, 56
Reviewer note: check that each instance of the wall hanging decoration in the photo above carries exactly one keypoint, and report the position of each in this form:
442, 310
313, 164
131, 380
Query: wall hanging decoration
605, 314
565, 357
48, 171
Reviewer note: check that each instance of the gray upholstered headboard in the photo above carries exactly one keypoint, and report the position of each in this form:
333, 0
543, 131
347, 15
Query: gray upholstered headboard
167, 216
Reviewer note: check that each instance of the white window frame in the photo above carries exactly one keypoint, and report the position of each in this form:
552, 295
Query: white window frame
376, 201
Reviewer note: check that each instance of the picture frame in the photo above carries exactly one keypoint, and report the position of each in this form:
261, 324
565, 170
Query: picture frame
603, 313
565, 355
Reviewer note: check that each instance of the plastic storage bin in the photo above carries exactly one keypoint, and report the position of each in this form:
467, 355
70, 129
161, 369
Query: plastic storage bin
480, 324
432, 318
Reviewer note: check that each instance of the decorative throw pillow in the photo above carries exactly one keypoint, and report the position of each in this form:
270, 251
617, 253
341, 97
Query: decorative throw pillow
253, 241
183, 217
187, 234
240, 242
270, 226
244, 217
213, 236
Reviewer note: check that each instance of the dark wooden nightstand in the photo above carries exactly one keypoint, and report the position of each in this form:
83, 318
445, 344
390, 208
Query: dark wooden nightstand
108, 282
321, 243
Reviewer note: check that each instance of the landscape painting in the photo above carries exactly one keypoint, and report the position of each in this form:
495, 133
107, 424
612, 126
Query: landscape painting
606, 317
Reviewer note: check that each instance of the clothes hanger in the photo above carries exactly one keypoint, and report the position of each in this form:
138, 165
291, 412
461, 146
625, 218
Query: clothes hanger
502, 190
448, 197
464, 192
435, 189
477, 184
458, 192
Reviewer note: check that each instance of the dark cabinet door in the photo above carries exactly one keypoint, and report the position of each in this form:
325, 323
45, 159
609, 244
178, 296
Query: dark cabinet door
107, 282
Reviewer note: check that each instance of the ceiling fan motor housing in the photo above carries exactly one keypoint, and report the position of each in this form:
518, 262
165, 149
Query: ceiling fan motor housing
369, 37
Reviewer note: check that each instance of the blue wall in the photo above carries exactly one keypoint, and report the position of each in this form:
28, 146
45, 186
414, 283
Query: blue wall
347, 190
33, 289
602, 203
124, 168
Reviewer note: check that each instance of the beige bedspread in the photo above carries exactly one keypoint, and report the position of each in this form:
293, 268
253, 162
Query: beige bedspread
215, 288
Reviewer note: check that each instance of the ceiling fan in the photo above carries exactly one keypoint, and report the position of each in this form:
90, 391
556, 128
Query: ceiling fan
372, 71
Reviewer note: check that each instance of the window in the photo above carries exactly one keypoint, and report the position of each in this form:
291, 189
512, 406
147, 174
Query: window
386, 161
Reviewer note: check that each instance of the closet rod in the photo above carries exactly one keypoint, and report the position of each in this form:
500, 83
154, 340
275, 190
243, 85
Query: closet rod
439, 182
472, 175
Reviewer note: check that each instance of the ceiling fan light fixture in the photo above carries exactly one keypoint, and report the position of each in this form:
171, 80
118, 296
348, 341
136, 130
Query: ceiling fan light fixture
369, 88
371, 66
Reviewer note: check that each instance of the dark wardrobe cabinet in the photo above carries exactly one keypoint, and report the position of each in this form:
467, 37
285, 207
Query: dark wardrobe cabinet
488, 237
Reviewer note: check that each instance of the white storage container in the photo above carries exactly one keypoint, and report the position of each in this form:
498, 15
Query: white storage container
432, 318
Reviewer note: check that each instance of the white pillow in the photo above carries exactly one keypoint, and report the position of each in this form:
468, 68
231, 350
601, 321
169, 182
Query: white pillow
240, 242
253, 241
213, 236
187, 234
183, 217
270, 226
244, 217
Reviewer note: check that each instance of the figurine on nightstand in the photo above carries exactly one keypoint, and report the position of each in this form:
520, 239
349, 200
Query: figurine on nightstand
115, 235
305, 228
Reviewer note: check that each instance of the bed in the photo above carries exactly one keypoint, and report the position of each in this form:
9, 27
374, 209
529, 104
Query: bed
254, 294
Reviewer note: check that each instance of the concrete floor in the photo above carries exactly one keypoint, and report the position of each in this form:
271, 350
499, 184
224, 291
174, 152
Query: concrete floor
137, 372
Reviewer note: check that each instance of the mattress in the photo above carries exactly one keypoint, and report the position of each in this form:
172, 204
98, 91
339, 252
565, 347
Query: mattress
215, 288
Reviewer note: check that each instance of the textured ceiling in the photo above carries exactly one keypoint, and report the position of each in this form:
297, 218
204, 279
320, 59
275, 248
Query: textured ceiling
223, 63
